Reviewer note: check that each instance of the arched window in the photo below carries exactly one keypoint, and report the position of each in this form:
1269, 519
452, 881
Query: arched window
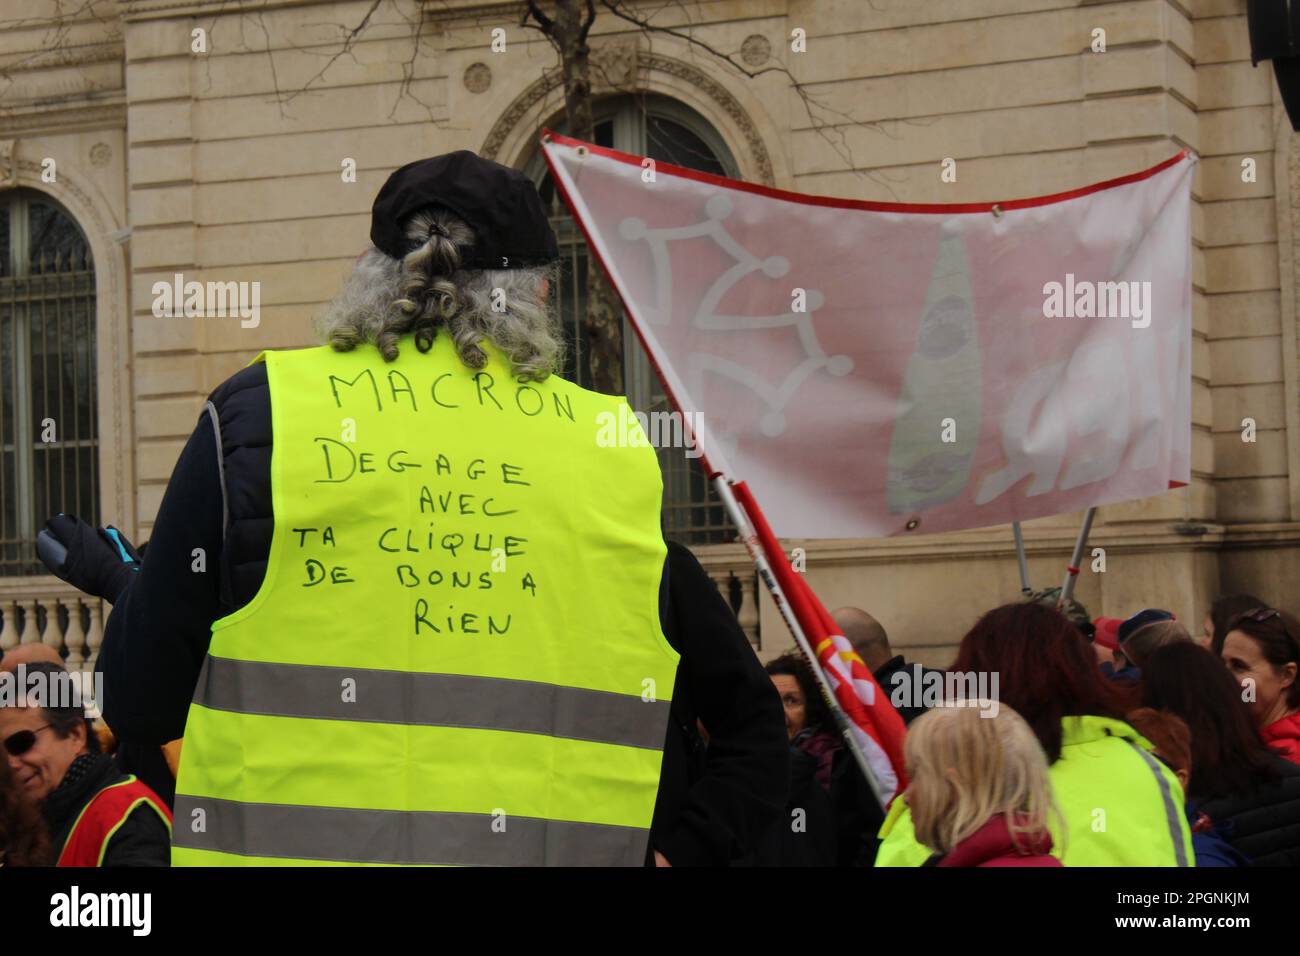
666, 131
48, 401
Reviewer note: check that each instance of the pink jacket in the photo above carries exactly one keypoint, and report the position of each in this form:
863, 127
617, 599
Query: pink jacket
991, 845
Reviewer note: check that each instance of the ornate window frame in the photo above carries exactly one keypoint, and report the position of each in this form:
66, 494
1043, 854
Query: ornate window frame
624, 66
95, 217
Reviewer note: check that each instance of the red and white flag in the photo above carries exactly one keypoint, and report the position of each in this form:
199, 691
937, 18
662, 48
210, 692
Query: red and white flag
873, 369
873, 721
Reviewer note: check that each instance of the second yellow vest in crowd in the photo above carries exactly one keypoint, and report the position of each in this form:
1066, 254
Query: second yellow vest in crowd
1120, 805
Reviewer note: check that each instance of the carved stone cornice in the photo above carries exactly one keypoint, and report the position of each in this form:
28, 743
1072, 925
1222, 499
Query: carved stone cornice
614, 64
1268, 534
453, 11
133, 10
57, 57
41, 118
646, 64
995, 542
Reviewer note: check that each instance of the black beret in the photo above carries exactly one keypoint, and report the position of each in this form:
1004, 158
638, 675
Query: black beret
500, 204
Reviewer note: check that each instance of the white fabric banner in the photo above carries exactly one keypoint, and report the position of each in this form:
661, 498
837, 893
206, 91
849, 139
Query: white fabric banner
874, 369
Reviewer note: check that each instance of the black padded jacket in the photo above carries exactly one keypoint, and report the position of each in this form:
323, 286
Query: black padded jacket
1264, 824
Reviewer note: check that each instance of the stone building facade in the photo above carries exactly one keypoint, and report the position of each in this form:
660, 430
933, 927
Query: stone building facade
212, 138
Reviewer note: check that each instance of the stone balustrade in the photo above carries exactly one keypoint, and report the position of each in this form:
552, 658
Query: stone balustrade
45, 610
737, 582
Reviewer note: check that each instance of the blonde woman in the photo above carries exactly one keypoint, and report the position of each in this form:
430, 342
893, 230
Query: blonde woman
980, 794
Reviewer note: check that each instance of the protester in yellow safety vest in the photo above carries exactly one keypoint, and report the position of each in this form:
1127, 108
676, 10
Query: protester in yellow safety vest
411, 605
1121, 806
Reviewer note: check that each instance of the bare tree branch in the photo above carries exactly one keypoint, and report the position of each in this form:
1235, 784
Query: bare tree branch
408, 67
349, 38
613, 7
567, 27
832, 134
57, 36
544, 22
586, 24
270, 58
533, 26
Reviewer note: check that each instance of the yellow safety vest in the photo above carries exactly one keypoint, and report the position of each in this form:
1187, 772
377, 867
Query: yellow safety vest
455, 656
1121, 806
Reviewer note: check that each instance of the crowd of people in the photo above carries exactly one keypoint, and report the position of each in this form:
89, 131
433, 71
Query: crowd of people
1151, 747
1112, 742
614, 734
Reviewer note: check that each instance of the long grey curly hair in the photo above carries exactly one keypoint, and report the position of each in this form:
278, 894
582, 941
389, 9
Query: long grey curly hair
386, 298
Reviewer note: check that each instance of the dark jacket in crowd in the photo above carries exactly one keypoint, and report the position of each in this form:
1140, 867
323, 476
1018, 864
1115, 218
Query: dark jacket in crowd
911, 709
858, 814
822, 745
709, 809
806, 834
1129, 672
141, 840
1209, 844
842, 814
147, 762
1264, 824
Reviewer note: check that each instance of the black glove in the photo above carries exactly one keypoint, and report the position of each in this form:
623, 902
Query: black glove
98, 561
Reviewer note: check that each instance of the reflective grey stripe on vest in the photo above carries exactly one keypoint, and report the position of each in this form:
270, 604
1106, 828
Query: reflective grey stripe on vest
1173, 811
399, 836
221, 468
443, 700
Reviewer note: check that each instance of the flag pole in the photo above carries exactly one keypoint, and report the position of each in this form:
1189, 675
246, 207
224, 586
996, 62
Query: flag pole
1025, 589
750, 539
1072, 570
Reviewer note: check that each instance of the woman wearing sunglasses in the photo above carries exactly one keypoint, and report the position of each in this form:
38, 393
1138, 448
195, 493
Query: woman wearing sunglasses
1262, 651
95, 815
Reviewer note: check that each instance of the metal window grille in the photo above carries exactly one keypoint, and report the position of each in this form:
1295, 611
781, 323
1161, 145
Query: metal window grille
692, 511
48, 392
